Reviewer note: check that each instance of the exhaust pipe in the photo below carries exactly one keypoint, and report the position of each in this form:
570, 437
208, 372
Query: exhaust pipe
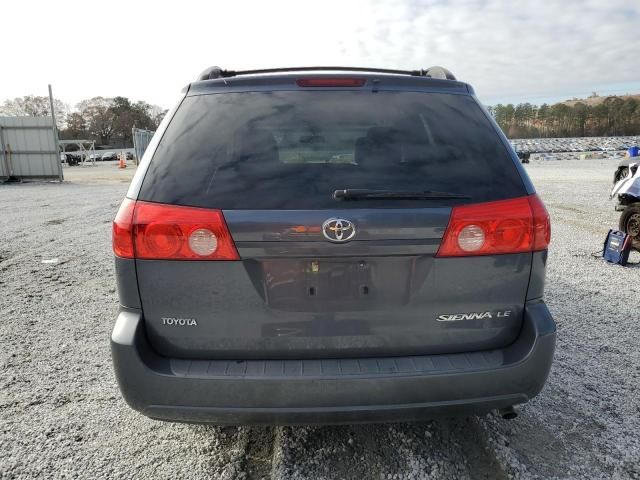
508, 413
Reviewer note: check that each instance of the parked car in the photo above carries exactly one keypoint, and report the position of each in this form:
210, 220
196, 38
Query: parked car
109, 156
524, 156
72, 159
632, 155
391, 269
626, 190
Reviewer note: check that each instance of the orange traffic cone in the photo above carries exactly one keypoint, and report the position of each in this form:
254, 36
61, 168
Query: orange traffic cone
122, 162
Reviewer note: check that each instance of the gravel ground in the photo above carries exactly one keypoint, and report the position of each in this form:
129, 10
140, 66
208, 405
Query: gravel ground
62, 415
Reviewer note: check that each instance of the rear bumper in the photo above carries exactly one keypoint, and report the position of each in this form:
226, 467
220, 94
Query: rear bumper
331, 391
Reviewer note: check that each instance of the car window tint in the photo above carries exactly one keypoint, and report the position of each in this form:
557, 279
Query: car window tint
292, 149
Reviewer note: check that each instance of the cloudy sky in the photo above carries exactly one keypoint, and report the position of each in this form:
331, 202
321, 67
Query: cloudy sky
508, 50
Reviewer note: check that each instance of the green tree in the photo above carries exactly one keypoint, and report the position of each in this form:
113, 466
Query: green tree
614, 106
127, 115
627, 111
98, 117
76, 127
609, 116
580, 117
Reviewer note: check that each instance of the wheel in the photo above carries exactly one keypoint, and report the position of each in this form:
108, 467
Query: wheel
630, 223
622, 172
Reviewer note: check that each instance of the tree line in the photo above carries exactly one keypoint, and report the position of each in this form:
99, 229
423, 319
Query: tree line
610, 116
107, 121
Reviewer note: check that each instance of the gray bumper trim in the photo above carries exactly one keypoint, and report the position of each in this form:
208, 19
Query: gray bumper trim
331, 391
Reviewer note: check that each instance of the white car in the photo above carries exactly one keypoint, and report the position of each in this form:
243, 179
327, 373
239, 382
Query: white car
627, 191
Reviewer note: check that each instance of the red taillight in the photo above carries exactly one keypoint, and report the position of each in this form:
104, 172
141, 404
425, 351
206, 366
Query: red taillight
330, 82
541, 224
506, 226
170, 232
122, 232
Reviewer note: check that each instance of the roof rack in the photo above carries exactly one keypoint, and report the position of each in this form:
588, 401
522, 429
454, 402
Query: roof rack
431, 72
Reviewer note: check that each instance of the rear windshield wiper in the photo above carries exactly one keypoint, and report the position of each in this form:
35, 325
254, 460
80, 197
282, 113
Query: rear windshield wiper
356, 193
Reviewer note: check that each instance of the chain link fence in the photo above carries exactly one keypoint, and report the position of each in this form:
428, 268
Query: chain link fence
141, 139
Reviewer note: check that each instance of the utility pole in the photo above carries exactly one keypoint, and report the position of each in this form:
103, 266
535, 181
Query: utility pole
55, 136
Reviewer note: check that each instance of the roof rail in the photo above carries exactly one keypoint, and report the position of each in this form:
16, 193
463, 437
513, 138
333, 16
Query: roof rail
431, 72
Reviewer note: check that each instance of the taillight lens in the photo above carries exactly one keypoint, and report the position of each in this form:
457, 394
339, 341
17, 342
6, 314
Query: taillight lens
491, 228
122, 231
170, 232
541, 224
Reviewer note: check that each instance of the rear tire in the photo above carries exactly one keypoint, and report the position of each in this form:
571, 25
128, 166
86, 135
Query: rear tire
630, 223
622, 172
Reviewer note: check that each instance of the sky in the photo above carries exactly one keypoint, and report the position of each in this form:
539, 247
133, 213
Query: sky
510, 51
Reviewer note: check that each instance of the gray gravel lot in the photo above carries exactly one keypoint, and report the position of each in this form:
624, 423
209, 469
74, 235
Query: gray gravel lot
62, 415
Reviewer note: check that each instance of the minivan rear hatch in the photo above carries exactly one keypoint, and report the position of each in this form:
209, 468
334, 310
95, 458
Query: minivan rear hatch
321, 273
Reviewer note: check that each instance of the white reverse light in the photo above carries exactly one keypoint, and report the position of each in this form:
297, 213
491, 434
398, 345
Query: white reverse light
203, 242
471, 238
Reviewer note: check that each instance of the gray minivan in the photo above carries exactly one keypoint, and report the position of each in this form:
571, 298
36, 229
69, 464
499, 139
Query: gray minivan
328, 245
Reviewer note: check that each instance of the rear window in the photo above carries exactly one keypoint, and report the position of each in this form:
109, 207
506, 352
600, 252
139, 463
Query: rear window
293, 149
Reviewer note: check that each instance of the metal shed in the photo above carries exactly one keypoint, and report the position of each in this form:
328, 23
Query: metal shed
29, 148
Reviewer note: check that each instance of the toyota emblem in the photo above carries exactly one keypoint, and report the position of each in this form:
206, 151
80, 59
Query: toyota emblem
338, 230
